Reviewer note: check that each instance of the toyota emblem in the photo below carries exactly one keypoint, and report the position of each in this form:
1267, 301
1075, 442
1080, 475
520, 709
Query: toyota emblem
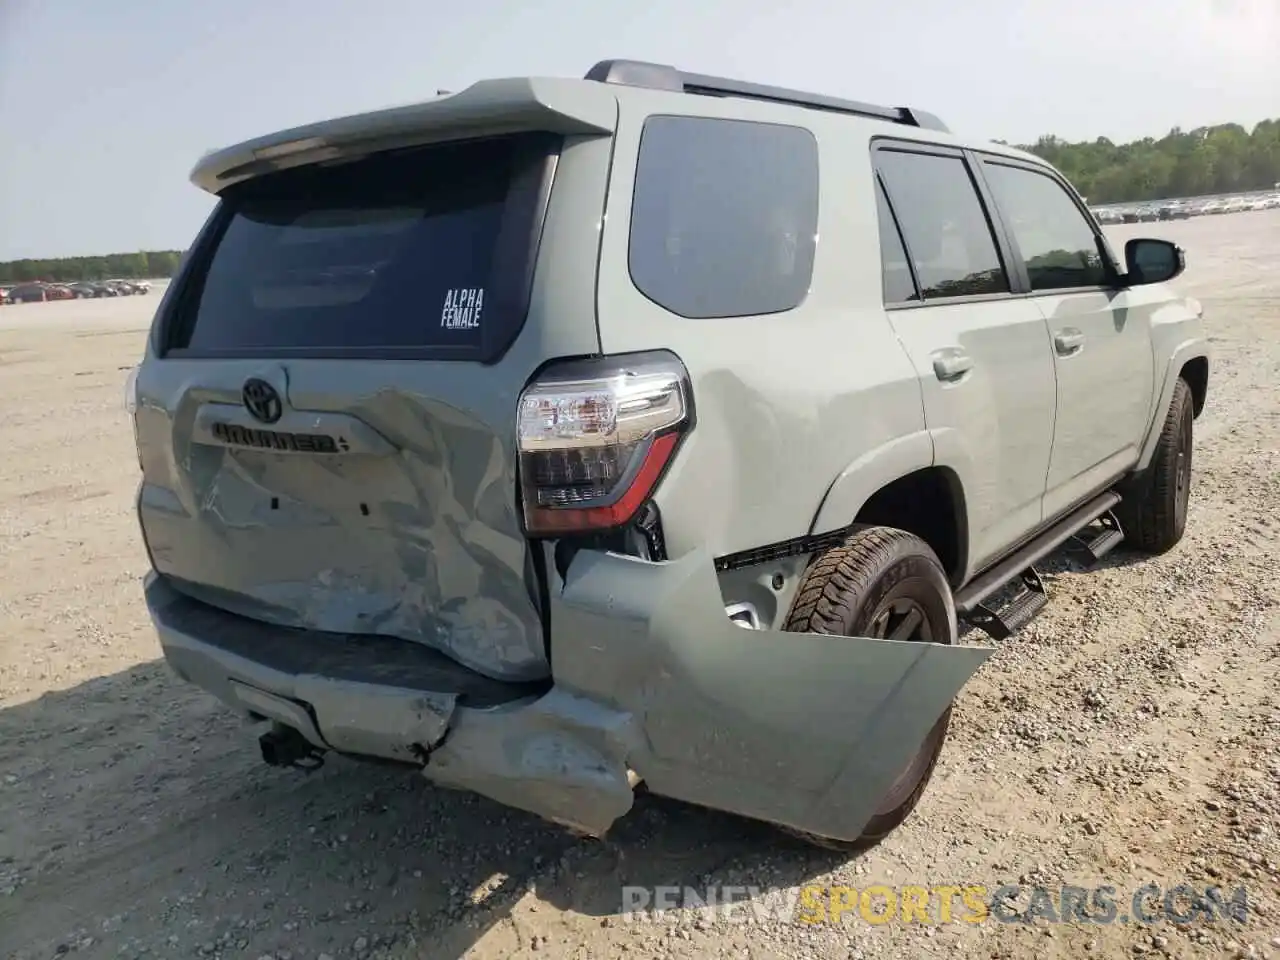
262, 400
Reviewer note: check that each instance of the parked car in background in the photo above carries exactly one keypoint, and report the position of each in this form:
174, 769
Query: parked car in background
29, 293
1177, 210
141, 286
59, 291
119, 287
85, 290
4, 295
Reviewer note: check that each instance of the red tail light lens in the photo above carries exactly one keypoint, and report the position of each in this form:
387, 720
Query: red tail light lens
595, 438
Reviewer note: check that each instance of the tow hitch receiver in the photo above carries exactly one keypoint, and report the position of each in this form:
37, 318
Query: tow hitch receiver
283, 746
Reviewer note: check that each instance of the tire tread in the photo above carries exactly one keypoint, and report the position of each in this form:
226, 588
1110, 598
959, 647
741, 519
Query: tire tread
1149, 515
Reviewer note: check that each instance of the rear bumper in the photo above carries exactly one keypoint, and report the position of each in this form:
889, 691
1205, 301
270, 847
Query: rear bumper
652, 682
534, 748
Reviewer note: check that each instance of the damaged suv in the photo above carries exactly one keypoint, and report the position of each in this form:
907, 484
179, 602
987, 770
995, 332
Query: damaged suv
563, 437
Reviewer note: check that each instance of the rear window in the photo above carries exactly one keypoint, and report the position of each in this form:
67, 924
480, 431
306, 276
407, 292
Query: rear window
724, 217
421, 251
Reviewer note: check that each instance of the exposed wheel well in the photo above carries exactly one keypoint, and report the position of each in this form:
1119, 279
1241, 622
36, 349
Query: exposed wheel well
1196, 372
930, 504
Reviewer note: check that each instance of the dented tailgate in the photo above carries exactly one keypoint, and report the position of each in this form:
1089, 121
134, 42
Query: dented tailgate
326, 416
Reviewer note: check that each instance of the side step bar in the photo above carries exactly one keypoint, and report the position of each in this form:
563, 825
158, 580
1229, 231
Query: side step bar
1020, 564
1103, 541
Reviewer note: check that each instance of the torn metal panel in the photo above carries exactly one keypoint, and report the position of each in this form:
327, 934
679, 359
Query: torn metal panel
652, 680
562, 757
801, 729
378, 721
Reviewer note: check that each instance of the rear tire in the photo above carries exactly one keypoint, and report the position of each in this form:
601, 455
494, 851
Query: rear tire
1153, 513
878, 583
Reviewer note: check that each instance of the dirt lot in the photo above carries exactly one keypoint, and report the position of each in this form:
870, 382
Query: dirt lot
1130, 735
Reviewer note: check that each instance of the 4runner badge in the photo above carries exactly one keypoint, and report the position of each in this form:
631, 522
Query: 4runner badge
262, 400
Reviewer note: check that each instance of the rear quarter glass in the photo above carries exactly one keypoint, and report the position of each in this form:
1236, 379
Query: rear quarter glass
724, 216
426, 251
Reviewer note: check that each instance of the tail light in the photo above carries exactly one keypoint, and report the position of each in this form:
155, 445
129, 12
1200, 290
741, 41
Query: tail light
131, 391
131, 408
596, 436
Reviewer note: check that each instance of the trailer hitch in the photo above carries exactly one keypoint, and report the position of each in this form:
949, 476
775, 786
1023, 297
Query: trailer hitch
283, 746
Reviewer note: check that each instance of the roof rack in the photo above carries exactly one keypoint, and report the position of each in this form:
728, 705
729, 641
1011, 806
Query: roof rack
657, 76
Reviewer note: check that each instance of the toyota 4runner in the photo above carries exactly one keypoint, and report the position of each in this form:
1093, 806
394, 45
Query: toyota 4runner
557, 437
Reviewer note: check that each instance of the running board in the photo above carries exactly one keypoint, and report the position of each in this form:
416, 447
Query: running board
1014, 615
1033, 597
1103, 541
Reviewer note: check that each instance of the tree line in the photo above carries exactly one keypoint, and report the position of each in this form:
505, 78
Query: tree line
145, 264
1195, 163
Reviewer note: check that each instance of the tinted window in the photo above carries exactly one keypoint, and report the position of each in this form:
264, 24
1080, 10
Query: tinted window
412, 249
899, 287
1056, 241
944, 224
724, 218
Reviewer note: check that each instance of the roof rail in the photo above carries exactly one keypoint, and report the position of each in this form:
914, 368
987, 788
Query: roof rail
657, 76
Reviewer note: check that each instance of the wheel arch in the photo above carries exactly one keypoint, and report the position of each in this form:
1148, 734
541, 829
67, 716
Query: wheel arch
929, 503
1196, 372
1188, 361
901, 486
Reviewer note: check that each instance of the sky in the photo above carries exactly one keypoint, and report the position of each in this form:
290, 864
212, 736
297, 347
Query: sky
106, 106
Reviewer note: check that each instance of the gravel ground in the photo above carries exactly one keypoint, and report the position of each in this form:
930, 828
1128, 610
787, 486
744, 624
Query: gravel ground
1129, 735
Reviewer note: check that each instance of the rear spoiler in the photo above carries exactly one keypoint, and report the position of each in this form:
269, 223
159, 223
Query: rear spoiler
487, 108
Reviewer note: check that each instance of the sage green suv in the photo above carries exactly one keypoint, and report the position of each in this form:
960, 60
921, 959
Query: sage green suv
560, 438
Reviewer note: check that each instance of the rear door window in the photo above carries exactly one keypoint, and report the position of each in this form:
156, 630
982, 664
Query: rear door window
944, 224
725, 216
421, 250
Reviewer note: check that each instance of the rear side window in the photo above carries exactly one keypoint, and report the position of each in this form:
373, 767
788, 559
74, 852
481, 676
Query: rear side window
944, 224
1055, 238
424, 250
724, 217
899, 286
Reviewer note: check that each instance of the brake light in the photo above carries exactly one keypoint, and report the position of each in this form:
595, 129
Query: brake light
131, 391
131, 408
595, 437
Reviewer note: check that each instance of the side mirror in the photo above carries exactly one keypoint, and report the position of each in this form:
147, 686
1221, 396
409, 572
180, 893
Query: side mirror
1152, 261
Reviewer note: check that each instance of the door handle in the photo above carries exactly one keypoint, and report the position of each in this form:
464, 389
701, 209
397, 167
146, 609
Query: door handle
1068, 341
951, 364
